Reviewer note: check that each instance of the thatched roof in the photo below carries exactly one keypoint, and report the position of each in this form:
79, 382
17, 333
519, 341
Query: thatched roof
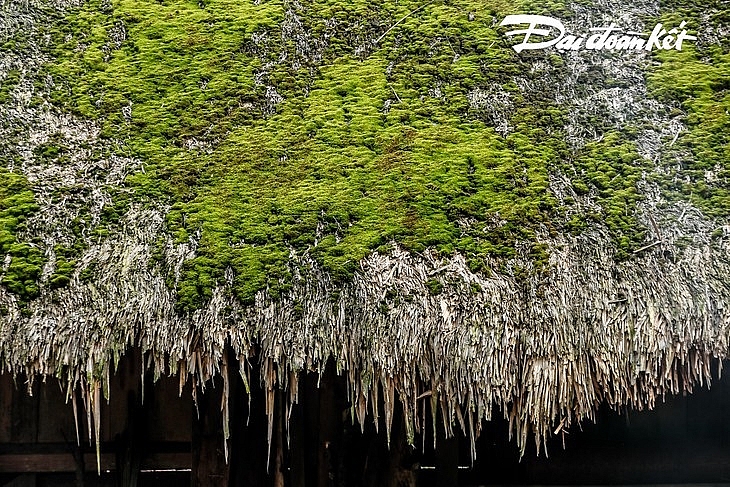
613, 294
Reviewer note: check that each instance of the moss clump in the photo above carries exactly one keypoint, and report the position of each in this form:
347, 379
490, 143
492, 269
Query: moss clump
26, 261
65, 266
51, 150
611, 168
12, 78
434, 287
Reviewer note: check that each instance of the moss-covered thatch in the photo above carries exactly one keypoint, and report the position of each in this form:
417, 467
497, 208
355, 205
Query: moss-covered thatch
387, 184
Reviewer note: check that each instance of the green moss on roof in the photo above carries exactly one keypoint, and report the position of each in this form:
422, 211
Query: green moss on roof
8, 83
330, 169
697, 80
268, 138
21, 263
613, 168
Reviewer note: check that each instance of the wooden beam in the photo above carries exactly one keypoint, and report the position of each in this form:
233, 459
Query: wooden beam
64, 462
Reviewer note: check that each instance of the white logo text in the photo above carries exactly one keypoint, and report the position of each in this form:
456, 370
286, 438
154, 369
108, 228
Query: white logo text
602, 38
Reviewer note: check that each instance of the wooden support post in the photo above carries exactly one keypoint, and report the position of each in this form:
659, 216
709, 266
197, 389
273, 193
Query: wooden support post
401, 469
278, 441
131, 442
447, 459
330, 431
248, 445
298, 446
209, 468
311, 430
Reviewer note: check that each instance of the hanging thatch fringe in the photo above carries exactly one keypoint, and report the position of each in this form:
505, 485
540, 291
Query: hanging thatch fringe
546, 351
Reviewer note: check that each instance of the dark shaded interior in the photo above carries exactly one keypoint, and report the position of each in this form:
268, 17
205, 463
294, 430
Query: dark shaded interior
685, 439
167, 442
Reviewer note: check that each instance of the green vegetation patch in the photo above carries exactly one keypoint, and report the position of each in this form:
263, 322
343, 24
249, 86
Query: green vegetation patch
611, 168
17, 203
697, 80
272, 129
11, 80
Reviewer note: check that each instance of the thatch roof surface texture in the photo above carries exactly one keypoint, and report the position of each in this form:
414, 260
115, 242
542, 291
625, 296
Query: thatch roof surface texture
543, 343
